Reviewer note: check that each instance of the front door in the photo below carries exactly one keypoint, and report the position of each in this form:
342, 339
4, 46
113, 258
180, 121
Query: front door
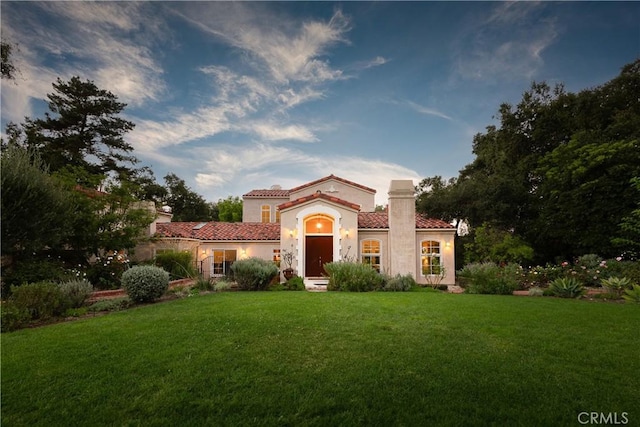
319, 251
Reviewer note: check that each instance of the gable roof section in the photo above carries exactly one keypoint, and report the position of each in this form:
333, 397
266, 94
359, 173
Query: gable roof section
236, 231
316, 196
268, 193
336, 178
380, 220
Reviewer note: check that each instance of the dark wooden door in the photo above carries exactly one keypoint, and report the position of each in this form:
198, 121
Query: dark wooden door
319, 251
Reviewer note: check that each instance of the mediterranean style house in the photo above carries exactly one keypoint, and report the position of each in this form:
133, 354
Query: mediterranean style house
330, 219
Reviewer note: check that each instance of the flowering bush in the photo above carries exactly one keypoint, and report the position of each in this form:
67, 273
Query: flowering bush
106, 271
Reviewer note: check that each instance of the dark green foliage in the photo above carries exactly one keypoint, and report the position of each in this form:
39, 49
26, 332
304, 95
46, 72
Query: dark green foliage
32, 270
399, 283
566, 287
254, 274
489, 278
230, 209
7, 68
106, 271
145, 283
633, 294
186, 205
83, 129
491, 244
296, 283
35, 207
42, 300
179, 264
555, 172
353, 277
13, 316
76, 292
115, 304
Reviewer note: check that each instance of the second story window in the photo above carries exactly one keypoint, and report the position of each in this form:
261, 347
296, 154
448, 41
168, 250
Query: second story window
265, 213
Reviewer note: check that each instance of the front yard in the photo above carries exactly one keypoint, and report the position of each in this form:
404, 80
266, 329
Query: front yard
299, 358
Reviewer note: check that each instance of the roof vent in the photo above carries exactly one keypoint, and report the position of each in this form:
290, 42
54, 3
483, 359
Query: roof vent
199, 226
276, 187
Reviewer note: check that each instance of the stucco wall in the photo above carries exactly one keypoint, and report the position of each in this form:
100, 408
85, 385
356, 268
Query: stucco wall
343, 191
447, 254
252, 208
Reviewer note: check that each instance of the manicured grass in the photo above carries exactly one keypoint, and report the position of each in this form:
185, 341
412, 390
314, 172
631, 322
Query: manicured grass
298, 358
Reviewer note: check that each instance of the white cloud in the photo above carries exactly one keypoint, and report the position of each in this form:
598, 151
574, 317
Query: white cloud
428, 111
241, 169
507, 44
92, 40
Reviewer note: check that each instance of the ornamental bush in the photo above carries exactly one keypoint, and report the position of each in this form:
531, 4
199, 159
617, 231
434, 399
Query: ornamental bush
179, 264
399, 283
145, 283
42, 300
254, 274
76, 292
490, 278
353, 277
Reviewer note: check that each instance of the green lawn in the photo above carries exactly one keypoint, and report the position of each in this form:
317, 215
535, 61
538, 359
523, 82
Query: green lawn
298, 358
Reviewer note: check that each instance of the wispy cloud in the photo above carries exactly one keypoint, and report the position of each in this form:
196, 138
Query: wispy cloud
246, 168
507, 44
426, 110
97, 49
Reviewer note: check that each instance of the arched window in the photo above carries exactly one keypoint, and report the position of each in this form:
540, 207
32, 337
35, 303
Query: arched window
370, 253
430, 258
265, 213
318, 224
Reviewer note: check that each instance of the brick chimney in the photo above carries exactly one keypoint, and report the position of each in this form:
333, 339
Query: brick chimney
402, 227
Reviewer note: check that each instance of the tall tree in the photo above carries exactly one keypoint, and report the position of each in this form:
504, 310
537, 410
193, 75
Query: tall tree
186, 204
230, 209
83, 129
35, 207
6, 65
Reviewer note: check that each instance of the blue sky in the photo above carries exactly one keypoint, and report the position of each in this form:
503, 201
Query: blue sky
237, 96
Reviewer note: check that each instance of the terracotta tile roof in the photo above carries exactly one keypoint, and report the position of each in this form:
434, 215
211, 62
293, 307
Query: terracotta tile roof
337, 178
220, 230
380, 220
319, 195
268, 193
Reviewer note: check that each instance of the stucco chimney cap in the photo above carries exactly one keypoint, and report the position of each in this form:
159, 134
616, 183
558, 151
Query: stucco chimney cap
402, 187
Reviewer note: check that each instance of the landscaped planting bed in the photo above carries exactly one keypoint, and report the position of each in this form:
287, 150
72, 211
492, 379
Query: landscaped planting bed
299, 358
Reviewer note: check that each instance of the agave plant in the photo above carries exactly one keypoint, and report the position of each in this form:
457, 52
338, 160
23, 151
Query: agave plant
566, 287
617, 285
633, 294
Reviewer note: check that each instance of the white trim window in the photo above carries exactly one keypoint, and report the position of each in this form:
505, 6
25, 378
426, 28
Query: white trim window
265, 213
222, 260
370, 253
430, 258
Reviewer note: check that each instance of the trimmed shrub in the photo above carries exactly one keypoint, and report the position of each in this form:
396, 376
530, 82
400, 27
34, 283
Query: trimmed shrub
76, 292
145, 283
399, 283
353, 277
41, 300
179, 264
566, 287
489, 278
295, 284
254, 274
12, 316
